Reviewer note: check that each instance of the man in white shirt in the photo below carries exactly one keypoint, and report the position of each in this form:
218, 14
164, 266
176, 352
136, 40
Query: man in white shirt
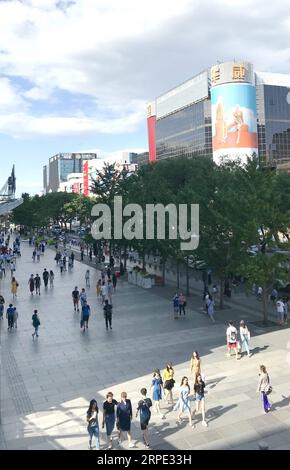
232, 339
280, 310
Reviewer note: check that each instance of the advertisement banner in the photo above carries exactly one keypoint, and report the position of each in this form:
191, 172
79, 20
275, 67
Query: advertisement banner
234, 121
86, 177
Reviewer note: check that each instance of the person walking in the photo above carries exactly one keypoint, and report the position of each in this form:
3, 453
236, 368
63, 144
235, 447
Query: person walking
181, 304
183, 403
10, 316
168, 377
195, 366
157, 385
12, 268
83, 296
35, 324
109, 417
99, 288
108, 314
86, 311
51, 278
143, 409
72, 257
15, 318
199, 387
274, 296
14, 287
76, 299
210, 308
124, 418
34, 255
31, 284
175, 301
264, 387
37, 282
280, 311
104, 292
82, 254
110, 291
232, 339
114, 280
61, 265
2, 306
245, 338
93, 425
87, 278
45, 277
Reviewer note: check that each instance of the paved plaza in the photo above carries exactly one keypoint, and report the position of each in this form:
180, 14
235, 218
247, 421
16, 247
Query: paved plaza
46, 384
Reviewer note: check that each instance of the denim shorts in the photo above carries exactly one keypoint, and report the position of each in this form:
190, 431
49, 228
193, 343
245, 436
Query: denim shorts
199, 397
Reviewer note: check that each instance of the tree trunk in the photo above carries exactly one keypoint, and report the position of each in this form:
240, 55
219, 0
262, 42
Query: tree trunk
187, 277
177, 273
125, 258
163, 270
221, 304
265, 305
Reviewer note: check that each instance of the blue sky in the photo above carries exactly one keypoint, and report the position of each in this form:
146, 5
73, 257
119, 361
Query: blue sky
77, 74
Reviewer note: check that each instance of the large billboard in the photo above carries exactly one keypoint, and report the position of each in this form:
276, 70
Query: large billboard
234, 121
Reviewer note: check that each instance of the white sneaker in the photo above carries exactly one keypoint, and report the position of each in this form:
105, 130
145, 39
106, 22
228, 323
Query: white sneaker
131, 445
204, 423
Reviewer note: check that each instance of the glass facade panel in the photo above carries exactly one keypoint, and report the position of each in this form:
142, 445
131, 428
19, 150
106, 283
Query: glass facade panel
273, 123
185, 132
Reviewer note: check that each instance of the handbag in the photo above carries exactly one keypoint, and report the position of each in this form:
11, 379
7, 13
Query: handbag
269, 390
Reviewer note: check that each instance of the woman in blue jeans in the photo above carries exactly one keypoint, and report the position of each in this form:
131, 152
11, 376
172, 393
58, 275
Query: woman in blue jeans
93, 424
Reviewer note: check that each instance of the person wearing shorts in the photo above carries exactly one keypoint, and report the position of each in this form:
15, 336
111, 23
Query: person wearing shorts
143, 409
76, 299
199, 387
232, 339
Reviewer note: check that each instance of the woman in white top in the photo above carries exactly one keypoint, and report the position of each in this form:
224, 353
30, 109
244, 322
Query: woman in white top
264, 388
245, 337
183, 403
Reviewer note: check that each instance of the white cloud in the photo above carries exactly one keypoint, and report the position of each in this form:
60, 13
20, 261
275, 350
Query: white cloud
121, 54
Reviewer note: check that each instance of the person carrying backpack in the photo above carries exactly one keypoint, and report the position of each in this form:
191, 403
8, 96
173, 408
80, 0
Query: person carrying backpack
143, 408
86, 311
10, 316
232, 339
35, 323
108, 314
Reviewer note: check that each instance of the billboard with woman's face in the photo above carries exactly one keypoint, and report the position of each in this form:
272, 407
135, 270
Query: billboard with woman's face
234, 121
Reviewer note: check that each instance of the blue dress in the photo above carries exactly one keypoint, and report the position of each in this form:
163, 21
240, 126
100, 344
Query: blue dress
183, 402
157, 390
124, 415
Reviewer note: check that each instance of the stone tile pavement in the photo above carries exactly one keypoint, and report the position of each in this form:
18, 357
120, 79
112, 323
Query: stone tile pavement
46, 384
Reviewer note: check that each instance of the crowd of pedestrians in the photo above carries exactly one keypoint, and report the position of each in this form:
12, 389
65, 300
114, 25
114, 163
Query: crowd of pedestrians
118, 415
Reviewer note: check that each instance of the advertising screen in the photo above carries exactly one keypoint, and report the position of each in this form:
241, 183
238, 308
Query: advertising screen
234, 121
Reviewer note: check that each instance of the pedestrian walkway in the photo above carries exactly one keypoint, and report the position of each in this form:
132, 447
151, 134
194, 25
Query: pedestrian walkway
46, 384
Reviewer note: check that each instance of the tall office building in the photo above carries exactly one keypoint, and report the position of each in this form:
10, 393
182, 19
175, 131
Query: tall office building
63, 164
227, 111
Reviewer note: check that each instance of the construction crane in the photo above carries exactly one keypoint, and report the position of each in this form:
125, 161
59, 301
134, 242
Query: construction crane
9, 188
7, 194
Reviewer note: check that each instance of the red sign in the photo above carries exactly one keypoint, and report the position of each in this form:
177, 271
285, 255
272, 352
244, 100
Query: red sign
151, 124
86, 177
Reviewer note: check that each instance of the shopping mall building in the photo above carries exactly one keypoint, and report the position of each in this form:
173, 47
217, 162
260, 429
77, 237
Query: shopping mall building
229, 111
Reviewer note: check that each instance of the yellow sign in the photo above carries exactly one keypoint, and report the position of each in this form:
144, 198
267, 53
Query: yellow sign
239, 72
215, 75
